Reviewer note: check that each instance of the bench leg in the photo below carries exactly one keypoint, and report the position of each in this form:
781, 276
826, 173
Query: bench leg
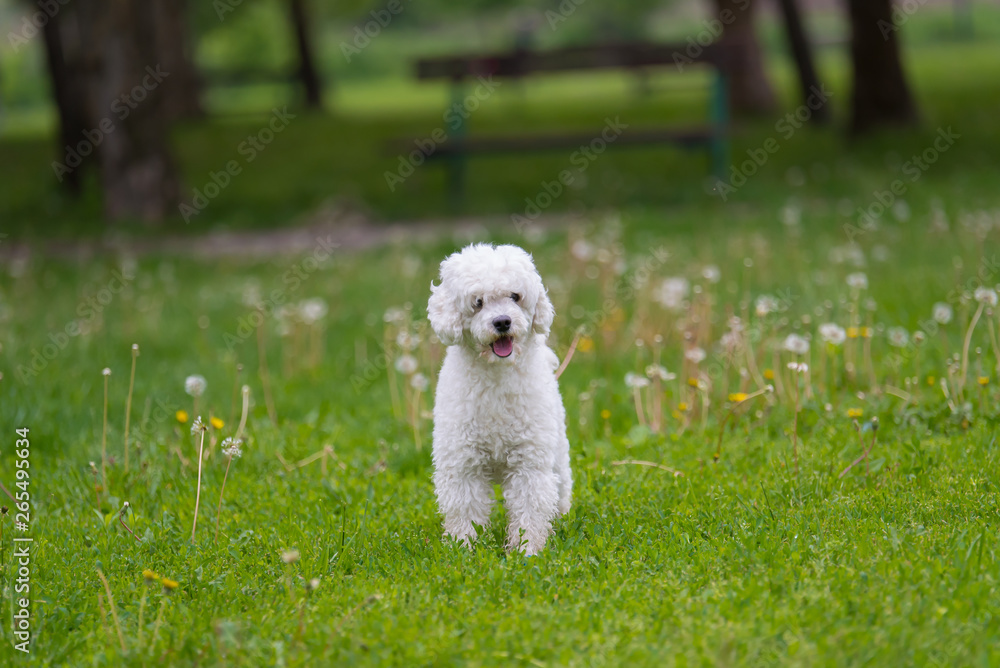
720, 125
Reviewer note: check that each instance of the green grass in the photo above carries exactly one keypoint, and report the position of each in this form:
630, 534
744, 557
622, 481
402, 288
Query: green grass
736, 562
746, 560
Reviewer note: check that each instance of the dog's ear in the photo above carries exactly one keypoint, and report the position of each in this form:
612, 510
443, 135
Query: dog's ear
544, 314
443, 313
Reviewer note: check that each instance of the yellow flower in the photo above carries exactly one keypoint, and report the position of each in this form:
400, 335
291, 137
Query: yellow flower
930, 380
168, 584
693, 382
867, 332
737, 397
217, 423
682, 406
182, 416
150, 576
605, 414
983, 380
855, 412
852, 332
769, 374
586, 344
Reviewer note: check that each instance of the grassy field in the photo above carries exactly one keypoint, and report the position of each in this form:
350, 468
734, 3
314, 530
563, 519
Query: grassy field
728, 510
767, 555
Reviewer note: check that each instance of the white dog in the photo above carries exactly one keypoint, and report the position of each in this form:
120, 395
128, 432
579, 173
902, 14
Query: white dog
498, 416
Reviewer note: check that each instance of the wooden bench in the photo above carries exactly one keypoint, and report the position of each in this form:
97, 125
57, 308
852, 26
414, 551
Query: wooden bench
713, 135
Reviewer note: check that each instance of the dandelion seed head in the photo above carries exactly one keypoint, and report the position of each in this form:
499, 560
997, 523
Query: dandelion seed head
195, 385
232, 447
419, 382
635, 381
796, 344
695, 355
832, 333
197, 426
898, 337
406, 364
857, 281
985, 295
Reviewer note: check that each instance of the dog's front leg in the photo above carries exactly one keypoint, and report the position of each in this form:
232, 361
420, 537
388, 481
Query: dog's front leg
465, 498
531, 497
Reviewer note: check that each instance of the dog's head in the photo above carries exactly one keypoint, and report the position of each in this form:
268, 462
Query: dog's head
490, 298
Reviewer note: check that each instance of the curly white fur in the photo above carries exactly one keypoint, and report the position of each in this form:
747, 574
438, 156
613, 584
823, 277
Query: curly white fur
497, 419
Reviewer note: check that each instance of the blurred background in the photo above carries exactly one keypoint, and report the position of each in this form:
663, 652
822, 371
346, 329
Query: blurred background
131, 117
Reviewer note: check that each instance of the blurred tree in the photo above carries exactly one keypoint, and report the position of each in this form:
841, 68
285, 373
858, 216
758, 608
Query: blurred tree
881, 94
66, 91
751, 92
182, 89
798, 43
307, 72
122, 78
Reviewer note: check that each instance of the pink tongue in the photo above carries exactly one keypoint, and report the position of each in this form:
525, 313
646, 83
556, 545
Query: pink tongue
503, 346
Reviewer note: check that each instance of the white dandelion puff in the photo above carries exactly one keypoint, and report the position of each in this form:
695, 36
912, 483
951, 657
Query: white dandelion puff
659, 371
986, 296
198, 426
898, 337
943, 313
406, 364
195, 385
857, 281
833, 333
796, 344
672, 292
313, 310
232, 447
635, 381
765, 305
694, 355
419, 382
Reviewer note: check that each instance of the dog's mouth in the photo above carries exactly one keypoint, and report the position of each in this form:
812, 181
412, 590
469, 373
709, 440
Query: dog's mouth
503, 347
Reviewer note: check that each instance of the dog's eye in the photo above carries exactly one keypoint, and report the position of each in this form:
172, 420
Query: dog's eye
478, 303
516, 297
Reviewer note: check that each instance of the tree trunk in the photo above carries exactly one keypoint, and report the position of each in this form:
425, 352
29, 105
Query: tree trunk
123, 78
307, 73
182, 90
67, 93
750, 89
881, 94
801, 53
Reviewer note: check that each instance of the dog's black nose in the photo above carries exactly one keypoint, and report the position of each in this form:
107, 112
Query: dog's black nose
501, 323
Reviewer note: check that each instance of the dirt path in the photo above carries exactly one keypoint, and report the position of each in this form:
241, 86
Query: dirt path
349, 231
